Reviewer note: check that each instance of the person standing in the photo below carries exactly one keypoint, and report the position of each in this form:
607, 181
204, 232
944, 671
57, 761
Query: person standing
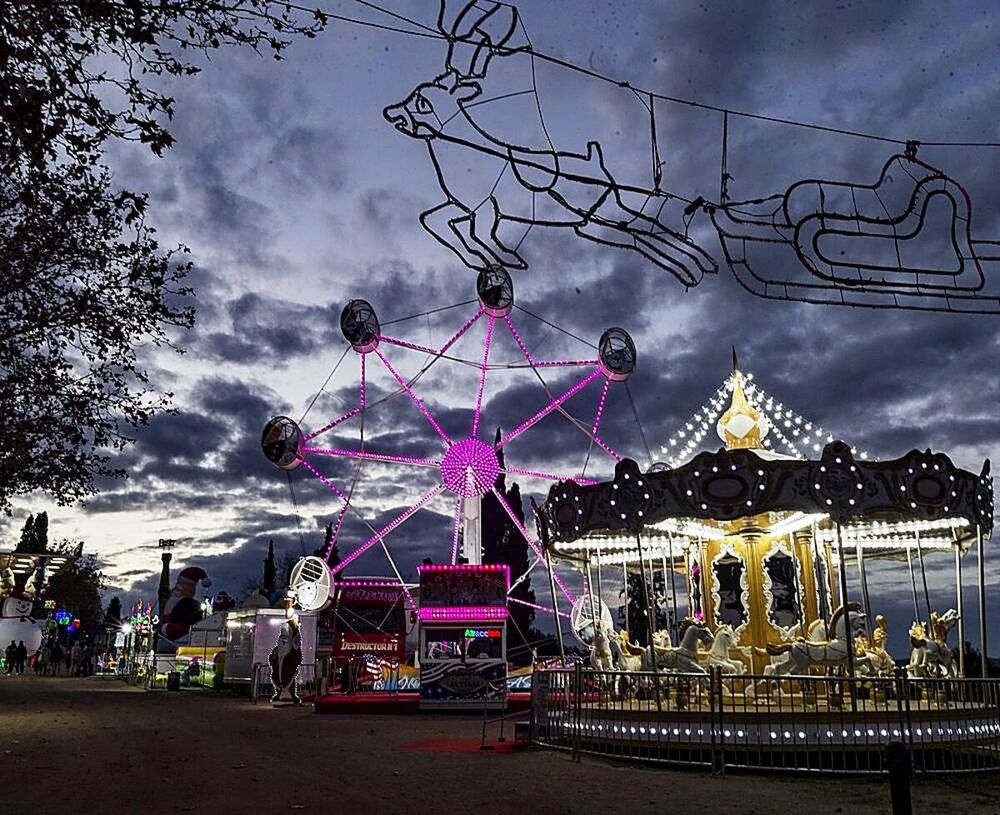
10, 656
21, 656
42, 660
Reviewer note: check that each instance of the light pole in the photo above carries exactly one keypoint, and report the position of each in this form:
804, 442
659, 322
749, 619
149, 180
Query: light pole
206, 612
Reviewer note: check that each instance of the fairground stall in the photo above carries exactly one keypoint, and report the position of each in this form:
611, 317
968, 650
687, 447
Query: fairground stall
754, 547
463, 637
364, 633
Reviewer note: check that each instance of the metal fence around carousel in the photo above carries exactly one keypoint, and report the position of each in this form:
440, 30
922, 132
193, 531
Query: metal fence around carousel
815, 723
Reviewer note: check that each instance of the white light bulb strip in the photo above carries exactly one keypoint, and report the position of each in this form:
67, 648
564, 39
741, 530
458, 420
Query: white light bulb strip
797, 435
686, 441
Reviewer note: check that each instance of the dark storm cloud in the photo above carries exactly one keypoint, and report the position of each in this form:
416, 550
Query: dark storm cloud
190, 459
254, 328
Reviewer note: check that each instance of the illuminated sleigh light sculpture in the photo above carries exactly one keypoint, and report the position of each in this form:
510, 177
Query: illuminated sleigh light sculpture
904, 241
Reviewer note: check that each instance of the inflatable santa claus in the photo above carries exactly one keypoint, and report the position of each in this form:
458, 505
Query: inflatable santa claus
181, 610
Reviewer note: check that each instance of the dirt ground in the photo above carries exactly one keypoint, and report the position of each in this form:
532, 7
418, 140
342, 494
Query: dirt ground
97, 746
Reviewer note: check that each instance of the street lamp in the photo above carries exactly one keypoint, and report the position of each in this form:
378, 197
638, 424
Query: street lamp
206, 612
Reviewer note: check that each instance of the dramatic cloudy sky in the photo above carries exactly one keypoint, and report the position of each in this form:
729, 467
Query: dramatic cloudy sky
294, 195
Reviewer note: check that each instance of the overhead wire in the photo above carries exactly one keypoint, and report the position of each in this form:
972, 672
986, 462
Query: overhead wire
429, 32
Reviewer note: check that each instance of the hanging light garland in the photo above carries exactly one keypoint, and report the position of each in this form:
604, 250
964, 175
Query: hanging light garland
796, 434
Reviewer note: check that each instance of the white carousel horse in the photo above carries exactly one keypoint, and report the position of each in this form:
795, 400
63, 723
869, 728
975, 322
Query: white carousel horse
600, 652
718, 656
931, 656
683, 658
803, 654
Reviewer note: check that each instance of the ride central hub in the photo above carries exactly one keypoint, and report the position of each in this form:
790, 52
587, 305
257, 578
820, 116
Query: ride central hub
470, 468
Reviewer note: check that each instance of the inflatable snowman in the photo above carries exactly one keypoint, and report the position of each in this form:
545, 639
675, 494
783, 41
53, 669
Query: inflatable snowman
17, 624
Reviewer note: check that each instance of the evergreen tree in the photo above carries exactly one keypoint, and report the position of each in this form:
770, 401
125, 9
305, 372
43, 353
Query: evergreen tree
77, 585
27, 542
504, 543
334, 557
41, 536
114, 612
269, 583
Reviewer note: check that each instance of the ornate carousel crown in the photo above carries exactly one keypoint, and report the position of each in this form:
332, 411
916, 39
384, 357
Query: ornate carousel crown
742, 426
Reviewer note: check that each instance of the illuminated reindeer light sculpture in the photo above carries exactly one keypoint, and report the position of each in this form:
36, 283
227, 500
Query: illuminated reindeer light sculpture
573, 190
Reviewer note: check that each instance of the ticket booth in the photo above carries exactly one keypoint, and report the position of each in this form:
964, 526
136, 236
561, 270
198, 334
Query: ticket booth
463, 636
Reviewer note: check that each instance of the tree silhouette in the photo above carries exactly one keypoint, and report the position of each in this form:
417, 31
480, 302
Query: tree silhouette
77, 585
334, 557
270, 578
27, 541
504, 543
114, 612
84, 282
633, 617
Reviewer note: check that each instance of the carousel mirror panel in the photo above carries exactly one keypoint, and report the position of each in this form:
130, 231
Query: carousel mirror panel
730, 589
697, 606
824, 599
782, 578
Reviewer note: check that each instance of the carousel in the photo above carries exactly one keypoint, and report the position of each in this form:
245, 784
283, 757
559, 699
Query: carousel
752, 546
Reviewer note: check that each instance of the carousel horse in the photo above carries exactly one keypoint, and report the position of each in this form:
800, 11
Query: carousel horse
683, 658
931, 656
803, 654
601, 657
879, 661
718, 656
630, 657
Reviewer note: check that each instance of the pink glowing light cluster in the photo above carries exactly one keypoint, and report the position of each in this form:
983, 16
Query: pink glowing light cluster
538, 607
469, 466
361, 583
479, 568
462, 613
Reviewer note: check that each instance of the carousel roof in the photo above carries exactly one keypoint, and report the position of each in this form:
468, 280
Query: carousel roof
754, 419
879, 506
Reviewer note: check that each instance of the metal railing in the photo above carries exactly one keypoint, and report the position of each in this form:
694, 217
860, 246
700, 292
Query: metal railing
817, 723
262, 689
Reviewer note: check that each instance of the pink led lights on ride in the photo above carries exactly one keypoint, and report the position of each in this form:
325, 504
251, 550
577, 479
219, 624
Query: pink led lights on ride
469, 466
484, 579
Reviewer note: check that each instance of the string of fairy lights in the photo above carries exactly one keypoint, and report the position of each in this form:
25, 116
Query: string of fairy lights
794, 434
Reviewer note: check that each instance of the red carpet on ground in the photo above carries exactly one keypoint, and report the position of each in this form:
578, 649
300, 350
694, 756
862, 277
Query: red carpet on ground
394, 704
459, 746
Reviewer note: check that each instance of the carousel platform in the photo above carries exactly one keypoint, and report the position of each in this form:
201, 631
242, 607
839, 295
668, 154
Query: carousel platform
800, 723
